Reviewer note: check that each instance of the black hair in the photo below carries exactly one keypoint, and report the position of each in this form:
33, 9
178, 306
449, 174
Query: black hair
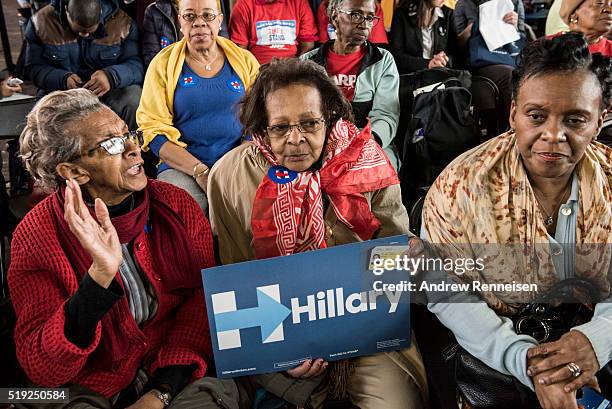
280, 73
420, 7
85, 13
565, 53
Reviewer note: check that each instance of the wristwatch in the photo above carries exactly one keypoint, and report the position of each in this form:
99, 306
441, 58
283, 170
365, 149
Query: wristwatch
165, 397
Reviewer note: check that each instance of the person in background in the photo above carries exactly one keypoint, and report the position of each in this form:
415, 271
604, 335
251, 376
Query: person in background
273, 28
188, 111
422, 35
554, 22
90, 44
327, 32
593, 18
365, 73
105, 272
343, 190
162, 28
466, 14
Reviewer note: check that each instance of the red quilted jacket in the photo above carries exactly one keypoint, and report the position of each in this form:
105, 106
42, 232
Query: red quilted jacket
41, 280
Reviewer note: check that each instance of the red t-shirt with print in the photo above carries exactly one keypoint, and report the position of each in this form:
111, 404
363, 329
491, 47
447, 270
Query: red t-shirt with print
272, 29
343, 69
378, 35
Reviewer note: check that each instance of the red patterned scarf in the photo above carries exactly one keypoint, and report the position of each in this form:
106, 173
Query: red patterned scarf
288, 217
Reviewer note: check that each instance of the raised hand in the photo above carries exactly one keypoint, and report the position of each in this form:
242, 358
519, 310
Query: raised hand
98, 238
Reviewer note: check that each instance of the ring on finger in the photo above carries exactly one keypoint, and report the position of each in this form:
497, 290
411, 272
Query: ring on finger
574, 369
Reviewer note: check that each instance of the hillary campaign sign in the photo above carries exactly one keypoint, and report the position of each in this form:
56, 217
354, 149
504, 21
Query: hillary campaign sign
271, 315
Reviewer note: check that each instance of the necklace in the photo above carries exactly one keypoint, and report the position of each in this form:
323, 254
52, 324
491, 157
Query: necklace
549, 220
208, 65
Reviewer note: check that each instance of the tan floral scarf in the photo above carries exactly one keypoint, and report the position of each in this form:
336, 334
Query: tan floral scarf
485, 197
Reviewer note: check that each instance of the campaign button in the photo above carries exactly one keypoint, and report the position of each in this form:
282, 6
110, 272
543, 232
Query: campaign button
281, 175
164, 42
235, 85
188, 81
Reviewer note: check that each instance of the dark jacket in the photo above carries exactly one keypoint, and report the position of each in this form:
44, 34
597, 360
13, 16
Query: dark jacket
160, 28
54, 51
406, 39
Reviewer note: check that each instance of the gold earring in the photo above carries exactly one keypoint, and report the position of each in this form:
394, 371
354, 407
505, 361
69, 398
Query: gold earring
574, 20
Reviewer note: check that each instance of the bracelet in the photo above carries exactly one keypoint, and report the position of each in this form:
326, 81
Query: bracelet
164, 397
204, 172
195, 168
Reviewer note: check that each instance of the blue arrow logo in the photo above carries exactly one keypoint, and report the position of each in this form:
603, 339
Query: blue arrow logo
268, 315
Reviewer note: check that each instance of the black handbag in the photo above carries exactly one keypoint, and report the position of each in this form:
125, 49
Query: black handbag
568, 304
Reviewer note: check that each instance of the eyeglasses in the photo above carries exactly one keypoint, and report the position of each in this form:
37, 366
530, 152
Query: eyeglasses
207, 16
116, 144
306, 126
358, 18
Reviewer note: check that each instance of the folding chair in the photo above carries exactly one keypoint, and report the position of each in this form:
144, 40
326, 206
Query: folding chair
487, 106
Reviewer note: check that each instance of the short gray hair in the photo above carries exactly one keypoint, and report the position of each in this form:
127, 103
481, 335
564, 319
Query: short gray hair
333, 4
46, 140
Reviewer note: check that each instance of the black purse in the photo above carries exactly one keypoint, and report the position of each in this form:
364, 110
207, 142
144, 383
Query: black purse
552, 314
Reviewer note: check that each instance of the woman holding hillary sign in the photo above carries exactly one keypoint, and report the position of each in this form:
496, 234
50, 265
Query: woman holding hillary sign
340, 188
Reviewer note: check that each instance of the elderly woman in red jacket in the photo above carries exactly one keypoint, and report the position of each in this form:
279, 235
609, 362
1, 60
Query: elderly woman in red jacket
105, 272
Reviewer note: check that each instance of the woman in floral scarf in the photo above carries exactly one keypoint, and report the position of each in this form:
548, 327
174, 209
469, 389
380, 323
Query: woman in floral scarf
308, 180
544, 187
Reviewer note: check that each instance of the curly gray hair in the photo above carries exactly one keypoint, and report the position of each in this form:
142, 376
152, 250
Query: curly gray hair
334, 4
47, 141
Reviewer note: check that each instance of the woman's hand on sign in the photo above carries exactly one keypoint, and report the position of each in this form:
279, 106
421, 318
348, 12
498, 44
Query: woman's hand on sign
309, 368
